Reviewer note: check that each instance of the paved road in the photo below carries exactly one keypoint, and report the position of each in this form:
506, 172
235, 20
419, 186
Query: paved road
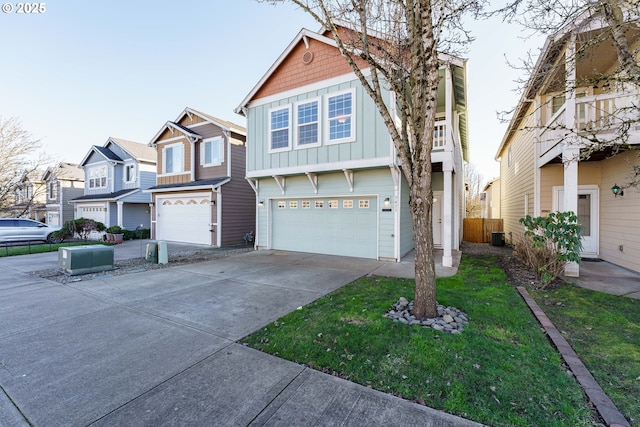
159, 348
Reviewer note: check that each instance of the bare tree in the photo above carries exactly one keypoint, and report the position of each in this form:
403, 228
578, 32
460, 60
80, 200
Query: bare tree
400, 42
21, 158
598, 26
474, 182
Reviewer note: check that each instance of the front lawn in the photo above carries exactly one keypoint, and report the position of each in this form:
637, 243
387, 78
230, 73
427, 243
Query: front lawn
38, 248
604, 330
500, 371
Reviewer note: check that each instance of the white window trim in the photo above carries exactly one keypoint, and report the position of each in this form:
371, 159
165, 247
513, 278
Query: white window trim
327, 126
50, 194
106, 176
214, 140
296, 124
289, 129
164, 160
134, 175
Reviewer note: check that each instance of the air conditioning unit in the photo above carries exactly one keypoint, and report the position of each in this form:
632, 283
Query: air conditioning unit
85, 259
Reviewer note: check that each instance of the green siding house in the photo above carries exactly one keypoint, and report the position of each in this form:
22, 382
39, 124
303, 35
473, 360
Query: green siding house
323, 166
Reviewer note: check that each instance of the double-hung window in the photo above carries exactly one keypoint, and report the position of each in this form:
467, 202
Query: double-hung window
173, 159
340, 117
98, 177
212, 151
280, 129
129, 173
52, 190
307, 124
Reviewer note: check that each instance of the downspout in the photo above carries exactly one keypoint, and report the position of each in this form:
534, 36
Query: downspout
227, 135
193, 140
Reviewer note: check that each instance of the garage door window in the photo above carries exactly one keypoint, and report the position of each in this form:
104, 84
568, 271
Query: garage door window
319, 204
282, 205
306, 204
293, 205
333, 204
363, 204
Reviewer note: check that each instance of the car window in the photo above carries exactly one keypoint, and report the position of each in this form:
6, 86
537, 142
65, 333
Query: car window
26, 223
7, 223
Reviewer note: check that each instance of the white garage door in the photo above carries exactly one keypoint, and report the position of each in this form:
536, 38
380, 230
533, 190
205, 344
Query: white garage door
94, 212
184, 219
334, 226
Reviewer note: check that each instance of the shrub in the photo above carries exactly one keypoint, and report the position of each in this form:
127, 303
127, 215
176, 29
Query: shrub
549, 243
114, 229
82, 227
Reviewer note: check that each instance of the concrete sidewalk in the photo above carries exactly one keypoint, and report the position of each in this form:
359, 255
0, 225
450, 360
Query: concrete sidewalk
159, 347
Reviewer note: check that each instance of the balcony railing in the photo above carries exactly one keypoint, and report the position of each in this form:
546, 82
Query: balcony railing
601, 115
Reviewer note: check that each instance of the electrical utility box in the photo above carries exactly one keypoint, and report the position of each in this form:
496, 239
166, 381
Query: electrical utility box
85, 259
152, 252
163, 255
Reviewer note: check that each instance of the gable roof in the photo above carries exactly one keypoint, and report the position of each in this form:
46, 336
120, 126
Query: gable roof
175, 124
64, 171
139, 152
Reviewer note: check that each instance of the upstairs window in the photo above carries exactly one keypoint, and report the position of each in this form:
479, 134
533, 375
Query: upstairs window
212, 151
173, 159
279, 129
98, 177
307, 127
52, 190
340, 117
129, 173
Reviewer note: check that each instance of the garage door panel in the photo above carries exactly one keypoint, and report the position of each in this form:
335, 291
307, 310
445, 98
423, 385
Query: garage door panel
349, 231
184, 219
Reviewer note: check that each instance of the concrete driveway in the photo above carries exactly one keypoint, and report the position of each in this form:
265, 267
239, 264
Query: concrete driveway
159, 348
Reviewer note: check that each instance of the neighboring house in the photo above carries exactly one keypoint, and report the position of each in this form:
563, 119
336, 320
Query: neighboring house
30, 197
541, 168
64, 182
323, 165
201, 195
114, 177
491, 203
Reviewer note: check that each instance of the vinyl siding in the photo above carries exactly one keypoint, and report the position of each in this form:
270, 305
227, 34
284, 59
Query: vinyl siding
517, 179
135, 215
238, 201
406, 222
589, 173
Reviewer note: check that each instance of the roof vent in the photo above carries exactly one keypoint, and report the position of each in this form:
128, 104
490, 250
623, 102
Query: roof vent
307, 57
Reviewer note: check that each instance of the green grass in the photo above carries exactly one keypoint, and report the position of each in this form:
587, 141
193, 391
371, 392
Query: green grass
38, 248
604, 330
500, 371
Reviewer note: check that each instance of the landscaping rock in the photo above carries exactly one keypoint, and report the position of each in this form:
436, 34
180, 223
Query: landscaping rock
449, 319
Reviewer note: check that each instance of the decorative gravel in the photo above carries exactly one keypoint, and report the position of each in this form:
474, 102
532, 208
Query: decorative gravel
137, 265
449, 319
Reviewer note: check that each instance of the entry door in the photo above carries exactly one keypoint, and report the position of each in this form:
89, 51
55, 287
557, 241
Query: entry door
587, 216
437, 218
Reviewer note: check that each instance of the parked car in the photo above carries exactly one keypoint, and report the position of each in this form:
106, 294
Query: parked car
20, 229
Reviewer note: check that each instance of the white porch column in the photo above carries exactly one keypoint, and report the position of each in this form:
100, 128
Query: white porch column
120, 215
447, 216
571, 152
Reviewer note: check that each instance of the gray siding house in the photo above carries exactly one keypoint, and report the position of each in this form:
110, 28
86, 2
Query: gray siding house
64, 182
323, 166
114, 176
201, 195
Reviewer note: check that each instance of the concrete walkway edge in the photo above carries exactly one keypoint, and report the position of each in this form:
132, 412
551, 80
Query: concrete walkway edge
605, 407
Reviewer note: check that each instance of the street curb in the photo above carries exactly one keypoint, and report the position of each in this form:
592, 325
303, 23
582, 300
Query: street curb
605, 407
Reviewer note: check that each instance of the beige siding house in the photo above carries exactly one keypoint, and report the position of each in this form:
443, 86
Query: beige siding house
548, 158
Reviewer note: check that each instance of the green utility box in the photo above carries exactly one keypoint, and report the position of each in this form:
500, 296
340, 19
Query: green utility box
85, 259
163, 254
152, 252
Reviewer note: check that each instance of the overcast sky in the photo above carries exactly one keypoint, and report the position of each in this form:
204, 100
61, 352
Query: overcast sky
83, 71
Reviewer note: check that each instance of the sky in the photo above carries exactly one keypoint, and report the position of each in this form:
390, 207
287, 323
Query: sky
83, 71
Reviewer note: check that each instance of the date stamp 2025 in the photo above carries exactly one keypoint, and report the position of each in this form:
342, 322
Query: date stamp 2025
24, 8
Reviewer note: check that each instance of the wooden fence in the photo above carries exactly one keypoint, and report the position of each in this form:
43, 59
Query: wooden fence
478, 230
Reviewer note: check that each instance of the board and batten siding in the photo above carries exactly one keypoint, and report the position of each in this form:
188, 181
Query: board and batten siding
619, 225
371, 137
517, 177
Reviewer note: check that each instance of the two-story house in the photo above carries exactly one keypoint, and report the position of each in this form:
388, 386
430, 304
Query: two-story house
201, 195
324, 168
64, 182
30, 197
549, 158
114, 176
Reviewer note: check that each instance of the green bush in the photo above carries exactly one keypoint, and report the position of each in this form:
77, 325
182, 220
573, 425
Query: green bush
549, 243
114, 229
81, 227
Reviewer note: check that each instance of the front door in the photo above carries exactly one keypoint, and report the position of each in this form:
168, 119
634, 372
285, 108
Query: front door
587, 216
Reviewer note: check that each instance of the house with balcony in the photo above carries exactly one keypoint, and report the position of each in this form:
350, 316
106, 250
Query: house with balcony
114, 176
64, 182
567, 145
324, 168
201, 195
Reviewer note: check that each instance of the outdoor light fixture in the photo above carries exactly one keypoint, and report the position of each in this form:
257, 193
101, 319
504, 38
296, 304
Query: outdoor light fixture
387, 202
261, 203
617, 190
